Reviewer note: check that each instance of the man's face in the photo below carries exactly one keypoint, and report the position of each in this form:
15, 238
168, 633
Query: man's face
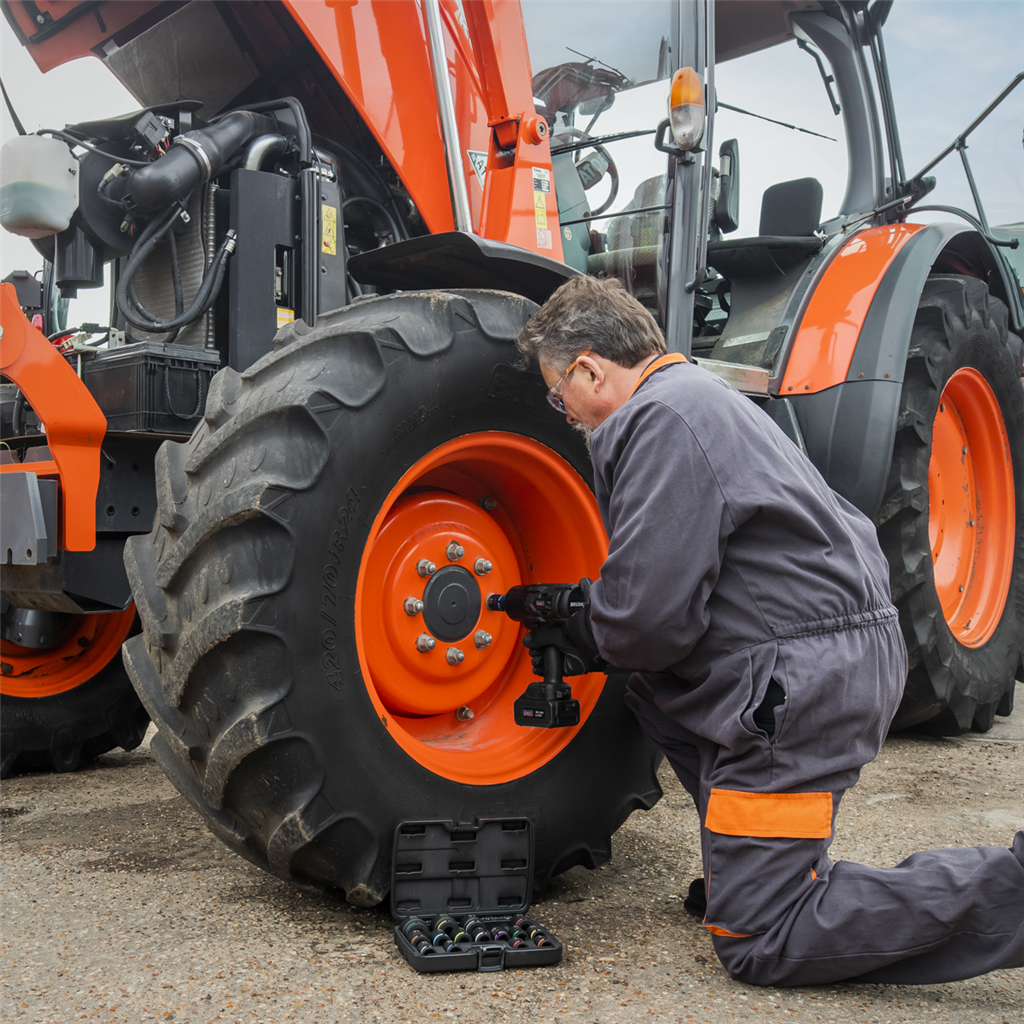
577, 393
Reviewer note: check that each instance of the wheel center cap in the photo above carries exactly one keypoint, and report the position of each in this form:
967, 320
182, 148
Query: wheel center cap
451, 603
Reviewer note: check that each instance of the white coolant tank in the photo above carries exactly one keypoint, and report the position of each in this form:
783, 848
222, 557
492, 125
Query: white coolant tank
38, 186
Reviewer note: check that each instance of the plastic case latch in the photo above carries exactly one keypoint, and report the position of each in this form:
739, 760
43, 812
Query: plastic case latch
491, 958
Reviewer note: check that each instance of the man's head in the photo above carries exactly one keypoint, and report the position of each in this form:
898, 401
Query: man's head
591, 338
594, 313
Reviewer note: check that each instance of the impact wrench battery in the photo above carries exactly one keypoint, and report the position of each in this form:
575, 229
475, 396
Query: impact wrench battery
548, 704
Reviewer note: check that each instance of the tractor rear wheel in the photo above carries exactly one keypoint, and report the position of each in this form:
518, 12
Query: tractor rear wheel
62, 705
317, 652
952, 523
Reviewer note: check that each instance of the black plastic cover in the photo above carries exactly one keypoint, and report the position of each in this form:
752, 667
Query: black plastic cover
455, 259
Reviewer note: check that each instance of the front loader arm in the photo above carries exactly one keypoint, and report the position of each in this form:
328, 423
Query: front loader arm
74, 424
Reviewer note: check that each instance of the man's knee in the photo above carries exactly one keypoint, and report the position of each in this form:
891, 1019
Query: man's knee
739, 957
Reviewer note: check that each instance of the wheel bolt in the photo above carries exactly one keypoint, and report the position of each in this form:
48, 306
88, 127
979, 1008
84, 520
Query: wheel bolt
482, 639
464, 714
425, 567
482, 567
487, 504
454, 655
413, 606
455, 551
425, 642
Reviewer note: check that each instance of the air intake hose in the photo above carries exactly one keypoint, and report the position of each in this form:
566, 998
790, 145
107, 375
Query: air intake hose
194, 159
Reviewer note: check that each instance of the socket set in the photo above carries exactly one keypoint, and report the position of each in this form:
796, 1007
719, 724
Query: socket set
460, 892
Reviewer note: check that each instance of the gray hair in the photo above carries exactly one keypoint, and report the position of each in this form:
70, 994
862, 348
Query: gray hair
591, 313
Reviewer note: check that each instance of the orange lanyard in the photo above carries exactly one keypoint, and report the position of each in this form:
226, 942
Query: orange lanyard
660, 363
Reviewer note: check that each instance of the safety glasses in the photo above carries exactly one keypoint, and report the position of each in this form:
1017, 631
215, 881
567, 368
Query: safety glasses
555, 391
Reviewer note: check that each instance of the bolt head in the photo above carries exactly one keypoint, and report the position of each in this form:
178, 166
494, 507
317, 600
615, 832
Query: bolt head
454, 656
455, 551
464, 714
482, 639
425, 567
482, 567
425, 642
413, 606
487, 504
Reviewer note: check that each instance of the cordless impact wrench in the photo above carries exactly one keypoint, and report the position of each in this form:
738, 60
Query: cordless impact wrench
548, 704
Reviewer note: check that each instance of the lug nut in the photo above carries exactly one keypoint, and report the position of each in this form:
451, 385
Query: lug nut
454, 655
425, 642
455, 551
413, 606
482, 639
487, 504
464, 714
425, 567
482, 567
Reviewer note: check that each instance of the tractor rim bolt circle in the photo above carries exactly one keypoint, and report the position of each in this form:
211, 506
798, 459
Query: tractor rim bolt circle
464, 714
425, 642
425, 567
413, 606
455, 551
454, 655
482, 639
482, 567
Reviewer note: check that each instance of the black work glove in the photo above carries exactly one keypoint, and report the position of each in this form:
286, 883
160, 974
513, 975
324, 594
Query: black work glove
574, 638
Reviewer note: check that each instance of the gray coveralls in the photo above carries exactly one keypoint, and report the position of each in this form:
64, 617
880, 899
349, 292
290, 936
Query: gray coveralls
731, 565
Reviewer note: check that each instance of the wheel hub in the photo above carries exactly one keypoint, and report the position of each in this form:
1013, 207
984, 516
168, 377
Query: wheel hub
451, 603
475, 516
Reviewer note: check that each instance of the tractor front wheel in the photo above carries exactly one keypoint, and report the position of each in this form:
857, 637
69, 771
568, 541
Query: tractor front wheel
952, 523
65, 703
317, 652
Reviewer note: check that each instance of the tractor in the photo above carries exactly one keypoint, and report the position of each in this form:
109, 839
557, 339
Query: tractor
288, 474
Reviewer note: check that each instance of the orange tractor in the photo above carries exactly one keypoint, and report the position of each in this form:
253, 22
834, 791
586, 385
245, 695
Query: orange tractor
327, 225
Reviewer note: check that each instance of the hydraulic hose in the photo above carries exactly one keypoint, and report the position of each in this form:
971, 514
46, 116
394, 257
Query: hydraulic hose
207, 294
136, 314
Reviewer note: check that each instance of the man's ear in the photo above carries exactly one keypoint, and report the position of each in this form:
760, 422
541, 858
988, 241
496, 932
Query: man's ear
591, 366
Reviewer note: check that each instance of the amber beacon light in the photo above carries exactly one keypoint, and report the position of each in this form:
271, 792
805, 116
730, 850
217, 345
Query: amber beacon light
686, 108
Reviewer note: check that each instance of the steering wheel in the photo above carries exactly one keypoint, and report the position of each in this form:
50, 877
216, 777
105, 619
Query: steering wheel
612, 171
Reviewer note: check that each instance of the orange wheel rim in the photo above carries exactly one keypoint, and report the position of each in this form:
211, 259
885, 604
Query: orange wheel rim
971, 506
88, 644
508, 502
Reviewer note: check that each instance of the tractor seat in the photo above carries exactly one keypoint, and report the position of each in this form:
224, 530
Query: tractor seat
790, 212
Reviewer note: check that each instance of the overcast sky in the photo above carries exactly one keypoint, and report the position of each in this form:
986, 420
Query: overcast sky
948, 60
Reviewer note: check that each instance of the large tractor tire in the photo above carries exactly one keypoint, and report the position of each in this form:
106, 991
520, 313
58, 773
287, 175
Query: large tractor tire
62, 705
952, 523
281, 650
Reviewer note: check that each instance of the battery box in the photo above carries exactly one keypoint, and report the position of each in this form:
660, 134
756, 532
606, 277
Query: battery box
460, 892
150, 385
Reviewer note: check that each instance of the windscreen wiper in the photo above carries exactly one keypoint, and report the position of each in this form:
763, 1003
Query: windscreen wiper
761, 117
826, 78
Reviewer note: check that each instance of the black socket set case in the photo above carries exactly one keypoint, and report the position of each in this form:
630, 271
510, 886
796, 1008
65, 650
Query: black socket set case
464, 871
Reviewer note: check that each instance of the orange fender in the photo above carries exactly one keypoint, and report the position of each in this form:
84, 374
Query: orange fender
827, 337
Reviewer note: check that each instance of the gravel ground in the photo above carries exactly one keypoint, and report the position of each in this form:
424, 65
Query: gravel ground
119, 906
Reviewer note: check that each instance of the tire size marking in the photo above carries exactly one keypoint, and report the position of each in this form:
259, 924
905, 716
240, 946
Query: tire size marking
329, 576
421, 415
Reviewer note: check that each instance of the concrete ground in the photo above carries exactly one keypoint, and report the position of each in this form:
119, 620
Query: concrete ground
119, 906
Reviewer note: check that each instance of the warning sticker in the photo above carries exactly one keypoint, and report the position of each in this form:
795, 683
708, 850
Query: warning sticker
540, 210
543, 239
284, 316
541, 179
329, 230
478, 161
